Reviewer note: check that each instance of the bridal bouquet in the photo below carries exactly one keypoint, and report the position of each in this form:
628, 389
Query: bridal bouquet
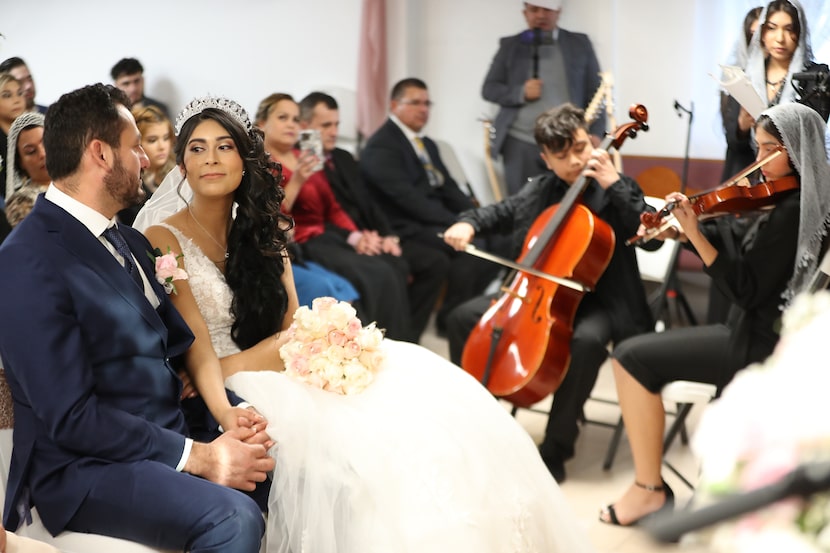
770, 419
328, 347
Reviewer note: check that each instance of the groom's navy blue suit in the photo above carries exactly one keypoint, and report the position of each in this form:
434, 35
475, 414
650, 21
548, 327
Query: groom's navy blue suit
95, 397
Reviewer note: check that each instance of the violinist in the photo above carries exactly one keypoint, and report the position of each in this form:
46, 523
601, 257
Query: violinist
616, 309
774, 262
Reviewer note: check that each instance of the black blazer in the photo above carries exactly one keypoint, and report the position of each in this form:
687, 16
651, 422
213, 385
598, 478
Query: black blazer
353, 195
398, 182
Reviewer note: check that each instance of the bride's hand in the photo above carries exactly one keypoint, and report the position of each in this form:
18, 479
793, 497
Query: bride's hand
240, 417
188, 388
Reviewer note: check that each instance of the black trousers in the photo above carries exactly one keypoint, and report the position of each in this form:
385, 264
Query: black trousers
468, 275
428, 269
379, 279
589, 350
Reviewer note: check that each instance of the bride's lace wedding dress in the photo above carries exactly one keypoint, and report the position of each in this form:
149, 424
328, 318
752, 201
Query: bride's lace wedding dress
423, 460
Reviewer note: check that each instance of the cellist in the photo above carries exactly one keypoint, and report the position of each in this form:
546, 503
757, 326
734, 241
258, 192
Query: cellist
616, 309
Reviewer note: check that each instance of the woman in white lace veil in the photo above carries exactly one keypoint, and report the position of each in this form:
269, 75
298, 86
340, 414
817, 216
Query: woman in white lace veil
423, 459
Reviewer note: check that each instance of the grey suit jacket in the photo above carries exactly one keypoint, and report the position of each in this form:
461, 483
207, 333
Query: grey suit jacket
511, 67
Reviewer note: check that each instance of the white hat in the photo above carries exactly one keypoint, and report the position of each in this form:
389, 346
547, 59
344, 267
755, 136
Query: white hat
549, 4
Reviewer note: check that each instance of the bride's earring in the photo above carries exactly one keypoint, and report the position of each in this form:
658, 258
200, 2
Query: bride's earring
243, 172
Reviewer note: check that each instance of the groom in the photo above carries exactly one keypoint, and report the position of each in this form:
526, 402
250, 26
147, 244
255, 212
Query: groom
100, 441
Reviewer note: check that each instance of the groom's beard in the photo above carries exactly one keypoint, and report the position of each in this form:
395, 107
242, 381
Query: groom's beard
123, 187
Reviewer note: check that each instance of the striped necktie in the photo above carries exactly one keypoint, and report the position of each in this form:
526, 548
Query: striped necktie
114, 236
436, 178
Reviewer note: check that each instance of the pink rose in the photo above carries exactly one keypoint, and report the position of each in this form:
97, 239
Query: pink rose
351, 350
337, 338
167, 266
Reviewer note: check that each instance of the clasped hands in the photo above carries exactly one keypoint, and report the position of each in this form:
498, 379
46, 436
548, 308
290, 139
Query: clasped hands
369, 242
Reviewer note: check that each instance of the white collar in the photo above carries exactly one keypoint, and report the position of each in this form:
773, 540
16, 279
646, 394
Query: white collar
409, 133
91, 219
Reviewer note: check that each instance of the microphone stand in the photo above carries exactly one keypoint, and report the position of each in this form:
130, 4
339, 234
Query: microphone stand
671, 286
804, 481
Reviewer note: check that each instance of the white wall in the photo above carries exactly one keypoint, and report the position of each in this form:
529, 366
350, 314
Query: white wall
659, 51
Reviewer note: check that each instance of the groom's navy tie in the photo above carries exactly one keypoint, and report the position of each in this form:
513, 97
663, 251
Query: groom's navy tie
117, 239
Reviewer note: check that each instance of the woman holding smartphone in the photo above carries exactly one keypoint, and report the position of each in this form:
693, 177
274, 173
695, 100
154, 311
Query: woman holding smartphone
326, 233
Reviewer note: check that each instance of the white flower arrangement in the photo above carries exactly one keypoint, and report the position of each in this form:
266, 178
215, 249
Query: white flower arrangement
328, 348
771, 418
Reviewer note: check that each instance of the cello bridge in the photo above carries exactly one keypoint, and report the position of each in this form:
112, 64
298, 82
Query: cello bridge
510, 292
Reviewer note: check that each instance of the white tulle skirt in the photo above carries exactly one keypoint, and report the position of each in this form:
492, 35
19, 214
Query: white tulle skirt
423, 460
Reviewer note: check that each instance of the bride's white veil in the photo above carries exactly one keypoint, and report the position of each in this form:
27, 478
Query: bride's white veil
172, 195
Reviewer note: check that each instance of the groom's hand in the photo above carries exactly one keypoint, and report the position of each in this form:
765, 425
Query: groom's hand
231, 462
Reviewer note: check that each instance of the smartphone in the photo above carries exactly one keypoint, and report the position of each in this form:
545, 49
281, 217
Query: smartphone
310, 141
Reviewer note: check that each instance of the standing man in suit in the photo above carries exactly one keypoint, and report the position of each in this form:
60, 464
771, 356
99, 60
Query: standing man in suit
410, 183
533, 71
86, 337
427, 267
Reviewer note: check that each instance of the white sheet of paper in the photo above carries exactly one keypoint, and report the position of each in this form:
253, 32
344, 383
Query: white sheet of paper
738, 85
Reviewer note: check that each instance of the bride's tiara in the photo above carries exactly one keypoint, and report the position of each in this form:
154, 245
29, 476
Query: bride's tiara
199, 105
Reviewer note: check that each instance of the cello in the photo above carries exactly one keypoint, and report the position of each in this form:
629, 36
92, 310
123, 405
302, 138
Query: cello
520, 349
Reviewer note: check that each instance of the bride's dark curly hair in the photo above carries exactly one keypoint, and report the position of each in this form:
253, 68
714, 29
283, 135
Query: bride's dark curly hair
258, 234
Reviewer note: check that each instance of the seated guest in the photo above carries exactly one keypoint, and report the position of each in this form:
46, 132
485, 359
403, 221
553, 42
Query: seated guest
100, 436
20, 71
26, 174
157, 139
428, 267
792, 234
12, 104
128, 75
406, 177
327, 234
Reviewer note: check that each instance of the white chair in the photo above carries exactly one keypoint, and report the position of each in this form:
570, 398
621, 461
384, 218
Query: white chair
67, 542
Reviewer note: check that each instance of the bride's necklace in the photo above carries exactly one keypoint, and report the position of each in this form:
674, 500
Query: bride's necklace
774, 84
209, 235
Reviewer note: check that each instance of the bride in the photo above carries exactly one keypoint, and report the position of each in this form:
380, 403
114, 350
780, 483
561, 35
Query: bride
423, 459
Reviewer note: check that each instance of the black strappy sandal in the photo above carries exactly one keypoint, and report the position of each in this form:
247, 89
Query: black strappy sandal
667, 506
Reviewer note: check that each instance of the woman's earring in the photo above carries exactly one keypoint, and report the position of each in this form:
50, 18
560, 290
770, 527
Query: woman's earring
243, 172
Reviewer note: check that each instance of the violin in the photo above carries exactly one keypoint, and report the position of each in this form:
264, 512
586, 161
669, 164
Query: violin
736, 196
520, 349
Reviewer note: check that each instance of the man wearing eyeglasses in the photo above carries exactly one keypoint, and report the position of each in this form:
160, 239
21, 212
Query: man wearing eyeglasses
406, 176
542, 67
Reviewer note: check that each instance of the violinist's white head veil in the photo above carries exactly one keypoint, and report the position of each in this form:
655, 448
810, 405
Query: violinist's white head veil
802, 130
756, 62
174, 192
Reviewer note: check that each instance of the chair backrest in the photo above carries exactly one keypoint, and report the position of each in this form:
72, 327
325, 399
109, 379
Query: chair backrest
658, 181
655, 266
453, 164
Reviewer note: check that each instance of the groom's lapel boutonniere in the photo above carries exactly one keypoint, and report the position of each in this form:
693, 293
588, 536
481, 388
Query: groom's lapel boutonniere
167, 269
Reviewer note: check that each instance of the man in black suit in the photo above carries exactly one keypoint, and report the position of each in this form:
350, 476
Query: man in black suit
427, 267
405, 175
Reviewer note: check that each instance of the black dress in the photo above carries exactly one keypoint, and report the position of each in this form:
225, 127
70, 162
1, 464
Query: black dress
753, 279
